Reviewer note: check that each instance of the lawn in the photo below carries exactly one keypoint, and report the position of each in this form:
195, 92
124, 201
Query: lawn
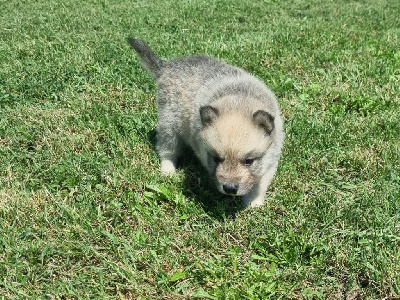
84, 210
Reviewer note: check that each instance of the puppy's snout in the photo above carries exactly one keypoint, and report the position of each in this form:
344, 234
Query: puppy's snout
230, 188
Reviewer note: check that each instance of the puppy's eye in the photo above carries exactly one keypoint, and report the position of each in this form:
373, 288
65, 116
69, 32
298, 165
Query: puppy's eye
218, 159
248, 162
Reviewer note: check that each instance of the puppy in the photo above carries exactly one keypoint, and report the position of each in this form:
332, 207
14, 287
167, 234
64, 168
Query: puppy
229, 118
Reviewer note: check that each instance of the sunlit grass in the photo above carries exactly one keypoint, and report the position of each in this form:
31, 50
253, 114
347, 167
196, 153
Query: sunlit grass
84, 210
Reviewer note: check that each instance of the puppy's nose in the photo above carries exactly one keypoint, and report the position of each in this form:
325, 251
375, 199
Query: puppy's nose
230, 188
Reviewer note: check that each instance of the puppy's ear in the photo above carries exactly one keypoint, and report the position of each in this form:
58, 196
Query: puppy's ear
208, 114
264, 120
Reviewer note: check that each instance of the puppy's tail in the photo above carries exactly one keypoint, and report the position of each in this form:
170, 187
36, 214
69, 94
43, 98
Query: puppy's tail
149, 60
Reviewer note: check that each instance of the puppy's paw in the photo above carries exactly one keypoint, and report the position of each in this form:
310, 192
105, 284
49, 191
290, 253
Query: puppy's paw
167, 167
257, 202
248, 202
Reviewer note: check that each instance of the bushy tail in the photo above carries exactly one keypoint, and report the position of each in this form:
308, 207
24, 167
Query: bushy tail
149, 60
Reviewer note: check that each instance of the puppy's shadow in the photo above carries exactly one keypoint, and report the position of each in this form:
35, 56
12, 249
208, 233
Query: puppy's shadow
199, 185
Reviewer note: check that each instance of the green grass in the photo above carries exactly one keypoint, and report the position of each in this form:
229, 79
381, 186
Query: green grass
84, 211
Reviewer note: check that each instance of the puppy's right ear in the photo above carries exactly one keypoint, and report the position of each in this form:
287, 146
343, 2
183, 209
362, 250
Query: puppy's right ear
265, 120
208, 114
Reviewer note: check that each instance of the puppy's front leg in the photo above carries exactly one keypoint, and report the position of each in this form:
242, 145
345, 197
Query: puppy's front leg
256, 197
168, 148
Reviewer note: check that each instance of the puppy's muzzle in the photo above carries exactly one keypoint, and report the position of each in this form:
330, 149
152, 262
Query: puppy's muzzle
230, 188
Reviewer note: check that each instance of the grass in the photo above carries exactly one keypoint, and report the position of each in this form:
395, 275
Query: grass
84, 211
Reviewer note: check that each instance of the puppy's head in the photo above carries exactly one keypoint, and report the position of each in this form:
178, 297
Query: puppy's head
236, 143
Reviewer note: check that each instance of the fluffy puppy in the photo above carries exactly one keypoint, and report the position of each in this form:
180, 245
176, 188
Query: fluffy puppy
229, 118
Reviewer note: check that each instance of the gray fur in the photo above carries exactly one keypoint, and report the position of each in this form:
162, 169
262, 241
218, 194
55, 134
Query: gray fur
147, 56
227, 116
208, 114
265, 120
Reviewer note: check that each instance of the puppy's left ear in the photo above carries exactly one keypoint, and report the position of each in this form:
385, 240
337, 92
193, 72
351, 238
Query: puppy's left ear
264, 120
208, 114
